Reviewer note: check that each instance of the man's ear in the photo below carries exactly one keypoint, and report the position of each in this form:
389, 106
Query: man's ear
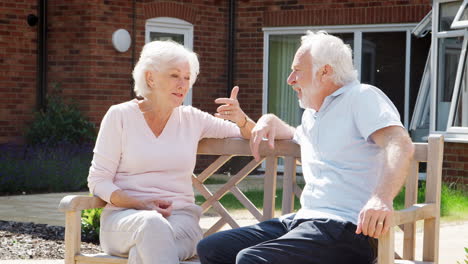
326, 73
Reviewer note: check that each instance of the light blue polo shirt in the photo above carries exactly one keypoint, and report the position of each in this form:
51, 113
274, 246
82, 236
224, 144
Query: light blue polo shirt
340, 162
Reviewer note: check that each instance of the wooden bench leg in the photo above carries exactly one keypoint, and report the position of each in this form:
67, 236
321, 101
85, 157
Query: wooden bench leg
72, 235
386, 249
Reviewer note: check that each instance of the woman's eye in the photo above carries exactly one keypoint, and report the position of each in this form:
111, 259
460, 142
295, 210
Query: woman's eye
174, 75
187, 78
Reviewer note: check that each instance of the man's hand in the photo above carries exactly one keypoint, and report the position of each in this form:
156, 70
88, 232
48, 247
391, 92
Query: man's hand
375, 218
269, 127
161, 206
263, 129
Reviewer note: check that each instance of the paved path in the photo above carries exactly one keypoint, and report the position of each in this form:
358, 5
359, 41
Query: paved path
42, 208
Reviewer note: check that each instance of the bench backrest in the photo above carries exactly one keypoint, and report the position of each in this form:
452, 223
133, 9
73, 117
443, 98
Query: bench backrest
228, 148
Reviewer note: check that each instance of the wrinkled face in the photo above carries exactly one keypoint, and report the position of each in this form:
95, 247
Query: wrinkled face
301, 78
172, 83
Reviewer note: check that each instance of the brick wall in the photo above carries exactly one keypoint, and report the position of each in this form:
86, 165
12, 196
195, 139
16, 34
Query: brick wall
18, 67
82, 60
455, 167
90, 72
252, 15
93, 74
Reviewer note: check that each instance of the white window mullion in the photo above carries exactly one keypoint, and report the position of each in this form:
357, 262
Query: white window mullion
434, 68
266, 52
358, 52
407, 77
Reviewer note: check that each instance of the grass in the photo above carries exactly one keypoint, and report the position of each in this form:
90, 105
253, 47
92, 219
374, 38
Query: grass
454, 203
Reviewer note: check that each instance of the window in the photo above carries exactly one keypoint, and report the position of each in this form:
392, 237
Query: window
168, 28
461, 19
377, 51
419, 127
458, 118
448, 84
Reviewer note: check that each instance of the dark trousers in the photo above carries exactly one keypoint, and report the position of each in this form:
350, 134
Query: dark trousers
288, 241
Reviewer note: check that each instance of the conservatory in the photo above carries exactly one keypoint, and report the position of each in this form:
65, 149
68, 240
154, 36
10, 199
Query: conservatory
442, 102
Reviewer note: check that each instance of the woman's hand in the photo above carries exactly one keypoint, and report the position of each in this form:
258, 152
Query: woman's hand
231, 110
120, 198
161, 206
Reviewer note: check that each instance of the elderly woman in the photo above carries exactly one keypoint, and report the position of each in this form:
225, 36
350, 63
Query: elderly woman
145, 154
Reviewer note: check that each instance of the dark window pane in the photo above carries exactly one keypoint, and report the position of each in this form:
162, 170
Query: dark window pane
448, 58
282, 100
179, 38
419, 53
383, 64
447, 13
461, 108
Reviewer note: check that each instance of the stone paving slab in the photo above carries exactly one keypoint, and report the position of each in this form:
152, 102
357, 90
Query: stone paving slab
33, 261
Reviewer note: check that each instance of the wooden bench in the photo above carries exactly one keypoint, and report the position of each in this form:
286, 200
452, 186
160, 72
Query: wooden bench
228, 148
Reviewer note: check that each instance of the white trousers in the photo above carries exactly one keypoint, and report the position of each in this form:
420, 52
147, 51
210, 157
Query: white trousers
146, 237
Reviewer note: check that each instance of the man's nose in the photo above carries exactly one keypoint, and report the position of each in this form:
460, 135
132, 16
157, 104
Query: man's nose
292, 79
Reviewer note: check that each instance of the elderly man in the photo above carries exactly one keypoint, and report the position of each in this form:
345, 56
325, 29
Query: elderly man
355, 157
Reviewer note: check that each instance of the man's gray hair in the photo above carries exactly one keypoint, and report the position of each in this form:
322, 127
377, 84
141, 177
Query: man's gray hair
327, 49
158, 56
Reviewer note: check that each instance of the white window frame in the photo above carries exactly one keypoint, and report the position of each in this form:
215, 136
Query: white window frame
457, 23
456, 89
357, 30
451, 134
422, 101
174, 26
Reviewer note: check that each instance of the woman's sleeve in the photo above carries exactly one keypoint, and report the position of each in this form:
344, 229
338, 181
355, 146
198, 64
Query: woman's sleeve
213, 127
106, 157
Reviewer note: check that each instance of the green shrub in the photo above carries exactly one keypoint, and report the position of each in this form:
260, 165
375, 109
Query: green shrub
90, 225
59, 122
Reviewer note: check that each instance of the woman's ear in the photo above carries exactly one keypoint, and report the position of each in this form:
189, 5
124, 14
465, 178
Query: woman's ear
149, 79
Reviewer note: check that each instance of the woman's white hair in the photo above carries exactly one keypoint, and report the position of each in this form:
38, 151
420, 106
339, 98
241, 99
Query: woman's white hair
327, 49
158, 56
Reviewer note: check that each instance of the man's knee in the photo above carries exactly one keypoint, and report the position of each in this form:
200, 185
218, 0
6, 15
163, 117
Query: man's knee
250, 256
206, 249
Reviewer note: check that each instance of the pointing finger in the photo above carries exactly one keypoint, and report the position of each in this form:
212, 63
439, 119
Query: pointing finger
234, 92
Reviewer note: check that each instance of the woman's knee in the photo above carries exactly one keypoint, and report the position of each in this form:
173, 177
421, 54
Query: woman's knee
153, 222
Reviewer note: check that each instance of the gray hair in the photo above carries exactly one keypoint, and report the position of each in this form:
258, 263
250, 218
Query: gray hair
158, 56
327, 49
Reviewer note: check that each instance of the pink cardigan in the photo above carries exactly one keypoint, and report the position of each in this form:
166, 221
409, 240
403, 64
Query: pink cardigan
128, 156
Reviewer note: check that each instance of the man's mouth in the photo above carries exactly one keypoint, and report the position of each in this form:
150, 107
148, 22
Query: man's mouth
178, 95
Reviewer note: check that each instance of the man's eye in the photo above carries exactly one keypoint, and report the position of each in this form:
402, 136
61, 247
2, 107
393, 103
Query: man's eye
174, 75
187, 78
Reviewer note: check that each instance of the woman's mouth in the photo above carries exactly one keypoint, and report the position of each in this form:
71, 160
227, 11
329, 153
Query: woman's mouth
178, 95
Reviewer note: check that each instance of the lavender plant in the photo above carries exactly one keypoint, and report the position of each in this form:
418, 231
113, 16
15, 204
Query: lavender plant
41, 168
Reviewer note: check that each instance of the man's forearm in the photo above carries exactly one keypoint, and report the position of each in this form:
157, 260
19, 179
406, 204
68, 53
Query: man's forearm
398, 154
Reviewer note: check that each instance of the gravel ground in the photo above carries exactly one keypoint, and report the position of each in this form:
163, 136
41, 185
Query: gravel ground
35, 241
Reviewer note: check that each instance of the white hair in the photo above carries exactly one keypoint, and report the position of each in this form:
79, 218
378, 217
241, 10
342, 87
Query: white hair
158, 56
327, 49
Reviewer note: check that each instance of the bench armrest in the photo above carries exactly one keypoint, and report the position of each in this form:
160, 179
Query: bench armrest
80, 202
415, 213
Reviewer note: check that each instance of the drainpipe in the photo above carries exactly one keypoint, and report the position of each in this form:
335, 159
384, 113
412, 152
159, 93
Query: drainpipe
42, 55
231, 46
132, 93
